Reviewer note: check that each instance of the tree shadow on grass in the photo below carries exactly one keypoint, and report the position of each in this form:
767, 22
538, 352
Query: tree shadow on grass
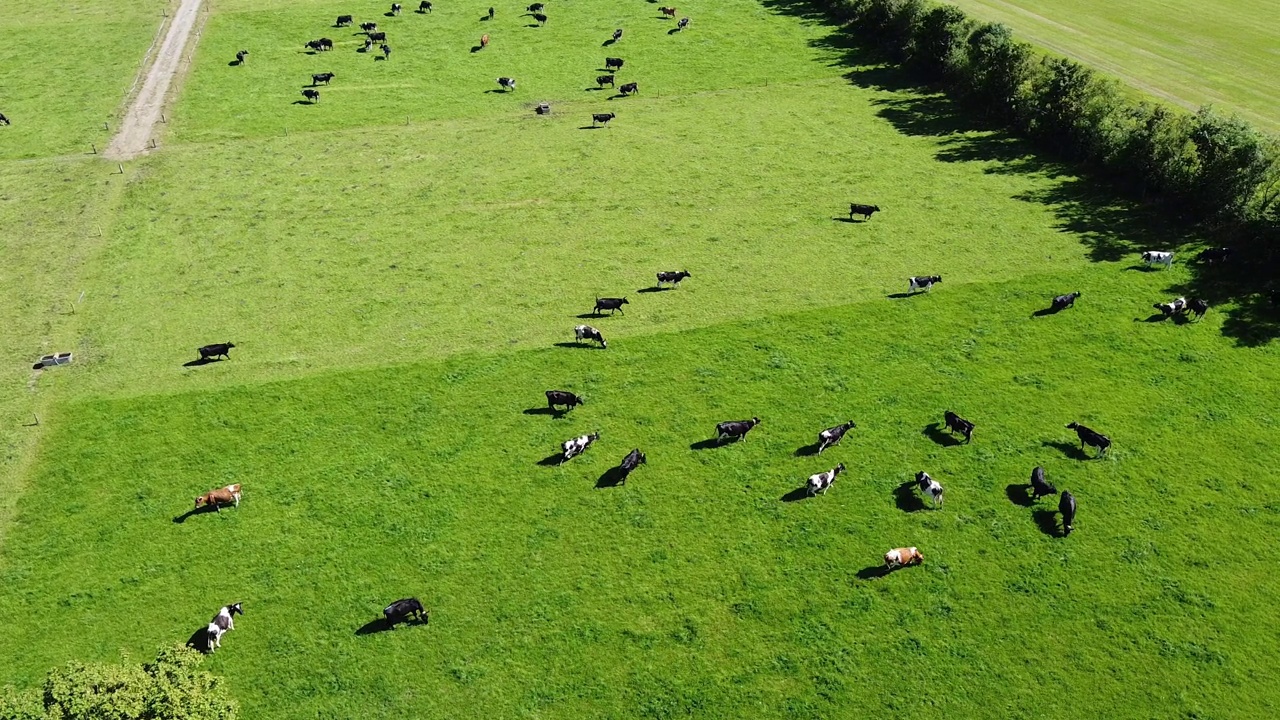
1019, 494
1047, 521
800, 493
552, 460
613, 477
934, 432
179, 519
873, 572
1071, 450
905, 497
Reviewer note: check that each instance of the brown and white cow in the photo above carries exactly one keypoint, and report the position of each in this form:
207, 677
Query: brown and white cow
221, 496
898, 557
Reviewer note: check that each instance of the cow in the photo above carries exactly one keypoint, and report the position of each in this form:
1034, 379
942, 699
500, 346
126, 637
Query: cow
684, 23
1156, 257
5, 121
1067, 506
864, 210
668, 11
378, 37
490, 13
922, 282
602, 118
833, 435
315, 45
586, 332
1062, 302
368, 27
629, 88
536, 7
1198, 307
386, 51
617, 35
1176, 306
507, 84
217, 350
562, 397
929, 487
1091, 438
424, 6
395, 8
613, 63
321, 78
240, 56
898, 557
735, 429
576, 446
540, 18
633, 460
820, 482
957, 424
484, 41
404, 610
1039, 486
367, 44
312, 96
216, 498
603, 80
672, 276
344, 21
610, 304
1213, 255
221, 623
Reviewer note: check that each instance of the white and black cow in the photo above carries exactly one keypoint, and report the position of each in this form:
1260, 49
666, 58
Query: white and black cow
240, 56
5, 121
1157, 257
820, 482
312, 96
536, 7
735, 429
602, 118
633, 460
1091, 438
424, 6
586, 332
1062, 302
603, 80
1039, 486
929, 487
833, 435
507, 83
629, 88
576, 446
368, 27
673, 277
957, 424
221, 623
922, 282
1067, 506
386, 51
395, 8
684, 23
540, 18
404, 610
1176, 306
610, 304
562, 397
617, 35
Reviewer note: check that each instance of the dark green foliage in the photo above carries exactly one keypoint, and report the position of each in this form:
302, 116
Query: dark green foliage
997, 68
1233, 165
937, 51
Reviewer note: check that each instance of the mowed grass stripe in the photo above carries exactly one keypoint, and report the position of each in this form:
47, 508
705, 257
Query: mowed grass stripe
695, 588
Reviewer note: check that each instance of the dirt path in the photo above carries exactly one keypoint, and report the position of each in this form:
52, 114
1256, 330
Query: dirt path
135, 130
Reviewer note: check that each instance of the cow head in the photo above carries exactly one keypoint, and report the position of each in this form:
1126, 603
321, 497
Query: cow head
235, 609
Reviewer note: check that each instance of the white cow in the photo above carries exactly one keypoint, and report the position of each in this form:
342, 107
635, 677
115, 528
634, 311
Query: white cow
576, 446
929, 487
820, 482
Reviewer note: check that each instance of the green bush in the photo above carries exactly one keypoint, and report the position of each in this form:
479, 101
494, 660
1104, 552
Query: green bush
937, 51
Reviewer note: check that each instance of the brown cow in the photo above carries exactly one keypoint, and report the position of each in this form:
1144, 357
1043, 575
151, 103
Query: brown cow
221, 496
668, 11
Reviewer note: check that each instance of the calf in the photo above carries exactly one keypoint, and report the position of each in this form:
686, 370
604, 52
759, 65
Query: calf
368, 27
668, 11
404, 610
922, 282
1067, 506
240, 56
820, 482
617, 35
957, 424
864, 210
312, 96
377, 37
395, 8
735, 429
570, 449
610, 304
586, 332
898, 557
1091, 438
613, 63
562, 397
343, 21
540, 18
216, 350
1177, 306
1039, 486
221, 623
603, 80
673, 277
602, 118
929, 487
633, 460
1062, 302
1213, 255
1155, 257
833, 435
219, 497
536, 7
1198, 307
507, 84
424, 6
321, 78
684, 23
629, 88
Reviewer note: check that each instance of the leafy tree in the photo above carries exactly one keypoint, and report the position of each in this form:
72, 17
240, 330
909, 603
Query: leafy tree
938, 47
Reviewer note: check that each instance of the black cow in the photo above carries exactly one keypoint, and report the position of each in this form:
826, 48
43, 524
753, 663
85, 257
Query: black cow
395, 8
586, 332
603, 80
674, 277
490, 13
386, 51
922, 282
368, 27
1067, 506
542, 19
633, 460
424, 6
610, 304
240, 56
377, 37
957, 424
1039, 486
507, 83
1213, 255
617, 35
1091, 438
536, 7
735, 429
312, 96
562, 397
863, 210
629, 88
216, 350
602, 118
833, 435
321, 78
344, 20
1062, 302
404, 610
612, 63
1198, 307
684, 23
367, 44
321, 45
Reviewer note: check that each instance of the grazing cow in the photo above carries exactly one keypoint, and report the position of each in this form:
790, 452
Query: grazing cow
629, 88
369, 27
898, 557
1039, 486
672, 276
1062, 302
668, 11
395, 8
344, 21
386, 51
612, 63
404, 610
576, 446
957, 424
633, 460
864, 210
617, 35
321, 78
216, 350
684, 23
602, 118
610, 304
735, 429
1155, 257
542, 19
316, 45
922, 282
562, 397
820, 482
221, 623
507, 83
4, 120
367, 44
377, 37
484, 41
1091, 438
424, 6
603, 80
240, 56
312, 96
1176, 306
219, 497
1213, 255
586, 332
1067, 506
833, 435
929, 487
536, 7
1198, 307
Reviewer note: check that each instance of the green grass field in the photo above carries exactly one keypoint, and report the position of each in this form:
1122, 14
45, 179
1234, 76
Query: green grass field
401, 272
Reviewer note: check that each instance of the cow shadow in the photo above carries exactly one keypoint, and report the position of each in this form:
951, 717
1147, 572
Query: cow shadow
379, 58
800, 493
1051, 310
206, 361
1019, 494
1141, 268
905, 497
302, 102
199, 640
615, 97
545, 411
808, 450
589, 315
592, 89
848, 220
233, 63
382, 625
707, 444
673, 31
608, 42
1158, 317
653, 289
500, 91
533, 25
873, 572
578, 345
476, 48
179, 519
934, 432
592, 127
552, 460
901, 295
1066, 448
613, 477
1047, 521
388, 14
